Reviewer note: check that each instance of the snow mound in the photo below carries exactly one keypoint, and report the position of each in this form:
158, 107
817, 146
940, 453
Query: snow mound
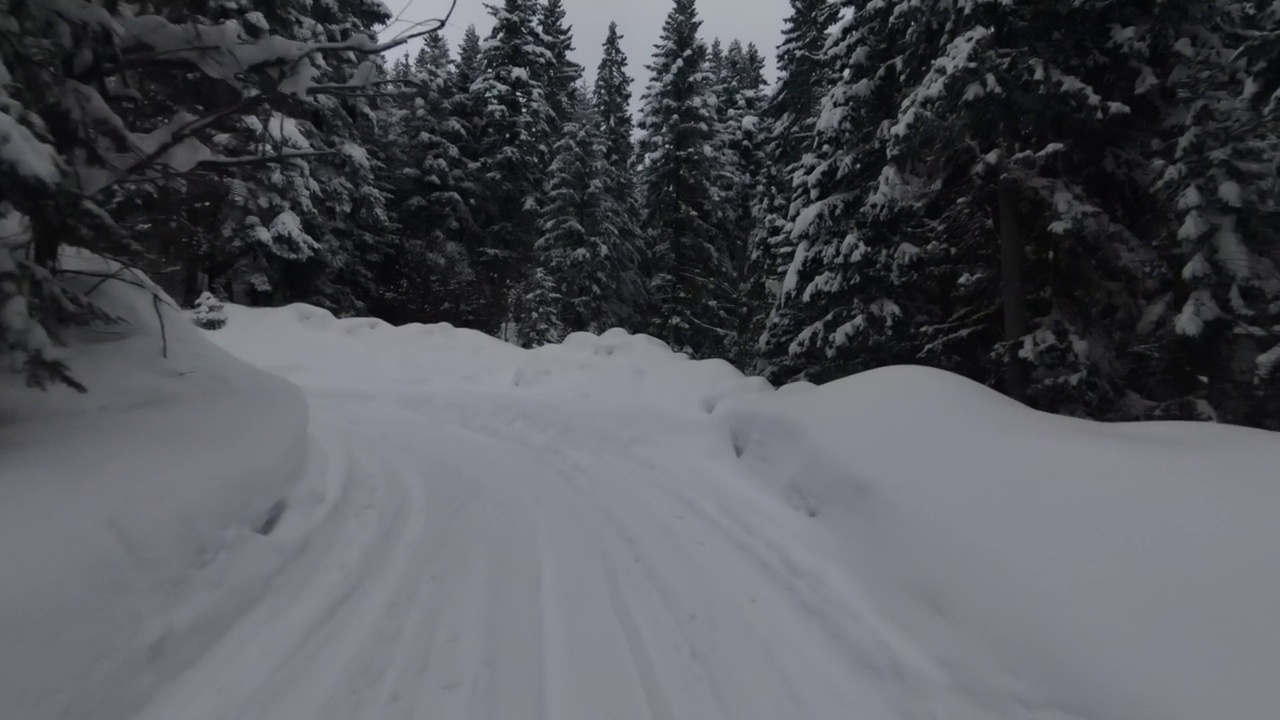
343, 354
350, 353
1123, 571
120, 507
617, 365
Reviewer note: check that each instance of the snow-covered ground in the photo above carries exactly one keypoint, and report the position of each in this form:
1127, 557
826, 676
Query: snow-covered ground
604, 529
121, 509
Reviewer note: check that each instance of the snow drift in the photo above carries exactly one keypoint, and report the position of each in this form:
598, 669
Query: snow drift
1127, 572
119, 507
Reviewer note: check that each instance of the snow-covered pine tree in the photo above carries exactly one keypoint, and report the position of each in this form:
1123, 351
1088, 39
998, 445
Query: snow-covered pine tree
613, 101
295, 230
563, 74
580, 248
433, 56
512, 154
789, 116
466, 107
77, 152
402, 68
429, 276
469, 64
740, 101
837, 284
1216, 315
1043, 231
1010, 157
566, 259
693, 289
541, 324
716, 63
620, 203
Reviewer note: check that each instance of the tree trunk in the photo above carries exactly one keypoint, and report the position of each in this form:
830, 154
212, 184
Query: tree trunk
1014, 297
50, 226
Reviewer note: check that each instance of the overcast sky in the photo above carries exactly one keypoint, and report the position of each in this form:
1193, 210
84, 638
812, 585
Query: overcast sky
758, 21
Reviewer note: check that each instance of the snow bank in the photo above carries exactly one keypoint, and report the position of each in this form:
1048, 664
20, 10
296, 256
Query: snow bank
120, 509
1124, 571
349, 353
361, 353
617, 365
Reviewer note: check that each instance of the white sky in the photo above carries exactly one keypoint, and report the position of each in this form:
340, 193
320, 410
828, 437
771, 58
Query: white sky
640, 21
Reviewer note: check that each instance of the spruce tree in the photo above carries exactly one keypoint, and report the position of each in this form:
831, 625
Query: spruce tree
975, 200
789, 117
227, 143
620, 207
740, 102
402, 68
430, 276
693, 286
1216, 312
512, 154
469, 64
563, 74
296, 230
581, 246
613, 101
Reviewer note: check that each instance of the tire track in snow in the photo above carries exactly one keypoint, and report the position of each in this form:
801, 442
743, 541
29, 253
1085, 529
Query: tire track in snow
656, 701
482, 561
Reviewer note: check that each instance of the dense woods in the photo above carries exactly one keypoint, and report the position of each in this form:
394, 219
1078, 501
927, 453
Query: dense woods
1075, 203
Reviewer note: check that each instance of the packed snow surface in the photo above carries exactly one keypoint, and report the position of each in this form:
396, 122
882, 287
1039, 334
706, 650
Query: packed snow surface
605, 529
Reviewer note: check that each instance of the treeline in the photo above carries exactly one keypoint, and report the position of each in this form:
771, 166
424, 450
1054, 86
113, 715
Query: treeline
1076, 203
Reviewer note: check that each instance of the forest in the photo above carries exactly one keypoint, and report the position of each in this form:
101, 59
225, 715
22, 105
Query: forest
1076, 203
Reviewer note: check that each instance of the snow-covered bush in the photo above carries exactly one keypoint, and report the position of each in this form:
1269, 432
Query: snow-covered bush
208, 313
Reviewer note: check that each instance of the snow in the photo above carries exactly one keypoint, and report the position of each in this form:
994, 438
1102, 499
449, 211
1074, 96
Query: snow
1126, 571
605, 528
1268, 361
1199, 309
284, 131
121, 509
1230, 193
22, 154
1230, 252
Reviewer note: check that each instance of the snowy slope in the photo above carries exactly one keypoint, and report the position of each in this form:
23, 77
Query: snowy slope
1123, 571
605, 529
119, 507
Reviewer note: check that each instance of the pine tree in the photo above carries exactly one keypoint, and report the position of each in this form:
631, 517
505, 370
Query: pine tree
693, 287
470, 64
740, 101
613, 101
433, 56
581, 247
467, 106
512, 153
118, 172
1215, 315
956, 166
296, 230
790, 115
563, 74
402, 69
541, 323
430, 274
620, 207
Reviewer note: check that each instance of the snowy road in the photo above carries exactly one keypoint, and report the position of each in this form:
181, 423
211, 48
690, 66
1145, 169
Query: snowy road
605, 530
480, 556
